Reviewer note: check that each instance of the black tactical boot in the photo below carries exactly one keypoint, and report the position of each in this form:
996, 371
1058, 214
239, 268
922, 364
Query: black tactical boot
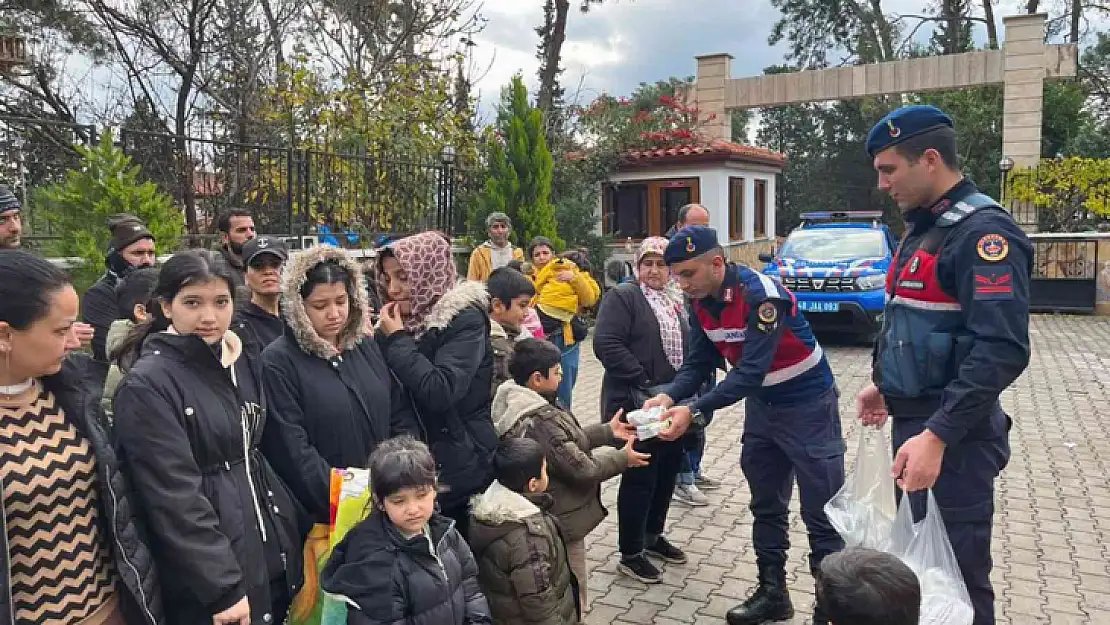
769, 603
819, 617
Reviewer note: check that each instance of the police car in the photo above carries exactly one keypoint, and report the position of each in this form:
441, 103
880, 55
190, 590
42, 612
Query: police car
836, 264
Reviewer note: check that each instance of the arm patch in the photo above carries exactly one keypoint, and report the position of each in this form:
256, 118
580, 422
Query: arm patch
994, 283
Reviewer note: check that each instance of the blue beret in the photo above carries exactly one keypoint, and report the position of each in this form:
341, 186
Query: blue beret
903, 123
690, 242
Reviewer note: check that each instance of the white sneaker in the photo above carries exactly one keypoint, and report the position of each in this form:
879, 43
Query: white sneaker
690, 495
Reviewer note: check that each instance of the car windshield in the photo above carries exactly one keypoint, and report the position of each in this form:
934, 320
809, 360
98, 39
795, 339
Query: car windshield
834, 244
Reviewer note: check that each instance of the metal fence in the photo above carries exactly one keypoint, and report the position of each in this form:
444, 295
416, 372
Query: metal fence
289, 191
1065, 272
35, 154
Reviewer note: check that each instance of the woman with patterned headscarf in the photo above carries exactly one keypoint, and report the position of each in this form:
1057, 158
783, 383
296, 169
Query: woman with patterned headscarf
641, 339
435, 334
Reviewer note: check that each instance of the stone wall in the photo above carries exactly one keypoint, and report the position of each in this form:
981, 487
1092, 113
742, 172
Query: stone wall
1102, 299
747, 253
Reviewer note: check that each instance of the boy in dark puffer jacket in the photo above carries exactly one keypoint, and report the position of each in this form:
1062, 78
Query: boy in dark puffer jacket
522, 558
391, 568
580, 457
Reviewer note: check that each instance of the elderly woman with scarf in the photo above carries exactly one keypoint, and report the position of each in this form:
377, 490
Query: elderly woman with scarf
641, 339
435, 335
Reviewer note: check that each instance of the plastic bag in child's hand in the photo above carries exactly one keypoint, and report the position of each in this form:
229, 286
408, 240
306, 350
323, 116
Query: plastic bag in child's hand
925, 548
863, 511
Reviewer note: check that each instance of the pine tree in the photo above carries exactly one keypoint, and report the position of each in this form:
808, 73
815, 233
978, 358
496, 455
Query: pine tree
105, 183
520, 169
953, 33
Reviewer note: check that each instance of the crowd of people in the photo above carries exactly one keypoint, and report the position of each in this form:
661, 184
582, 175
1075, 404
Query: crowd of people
178, 470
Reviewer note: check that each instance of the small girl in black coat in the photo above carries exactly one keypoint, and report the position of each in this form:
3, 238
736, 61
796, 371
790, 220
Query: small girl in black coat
391, 567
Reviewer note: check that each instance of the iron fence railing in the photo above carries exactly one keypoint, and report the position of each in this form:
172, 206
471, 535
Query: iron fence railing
288, 190
36, 153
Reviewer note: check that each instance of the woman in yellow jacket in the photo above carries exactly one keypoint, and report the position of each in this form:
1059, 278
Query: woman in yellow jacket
563, 289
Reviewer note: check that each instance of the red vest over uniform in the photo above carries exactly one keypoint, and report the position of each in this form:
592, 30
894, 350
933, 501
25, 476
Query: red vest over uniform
797, 351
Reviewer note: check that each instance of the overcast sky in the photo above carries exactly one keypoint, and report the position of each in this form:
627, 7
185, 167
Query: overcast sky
624, 42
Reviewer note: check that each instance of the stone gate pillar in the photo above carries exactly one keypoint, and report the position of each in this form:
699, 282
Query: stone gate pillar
714, 75
1024, 73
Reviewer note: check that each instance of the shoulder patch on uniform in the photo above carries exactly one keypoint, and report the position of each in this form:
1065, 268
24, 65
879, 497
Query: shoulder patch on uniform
993, 283
993, 247
768, 312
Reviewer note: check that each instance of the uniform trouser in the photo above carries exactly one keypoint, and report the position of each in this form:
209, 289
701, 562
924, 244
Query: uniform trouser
779, 443
965, 495
644, 496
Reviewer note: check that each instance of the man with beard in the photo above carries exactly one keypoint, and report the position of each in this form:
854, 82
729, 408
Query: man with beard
131, 247
11, 221
259, 322
495, 253
236, 228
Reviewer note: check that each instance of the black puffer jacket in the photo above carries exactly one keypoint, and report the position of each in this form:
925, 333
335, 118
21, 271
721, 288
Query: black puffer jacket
256, 327
328, 408
398, 581
99, 308
448, 373
140, 594
223, 525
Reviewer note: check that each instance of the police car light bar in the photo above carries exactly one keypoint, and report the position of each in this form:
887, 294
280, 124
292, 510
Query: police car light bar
830, 215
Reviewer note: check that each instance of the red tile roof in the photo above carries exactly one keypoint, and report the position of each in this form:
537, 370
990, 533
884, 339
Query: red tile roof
207, 184
716, 150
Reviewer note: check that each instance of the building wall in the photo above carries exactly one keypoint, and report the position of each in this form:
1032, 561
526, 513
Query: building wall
714, 189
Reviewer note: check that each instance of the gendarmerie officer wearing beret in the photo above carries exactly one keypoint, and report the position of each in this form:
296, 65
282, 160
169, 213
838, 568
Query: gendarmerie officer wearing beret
11, 220
955, 335
792, 424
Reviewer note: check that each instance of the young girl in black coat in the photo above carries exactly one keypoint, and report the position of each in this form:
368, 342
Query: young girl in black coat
391, 567
189, 416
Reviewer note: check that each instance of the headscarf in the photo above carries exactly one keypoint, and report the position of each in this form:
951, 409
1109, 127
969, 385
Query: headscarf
650, 245
427, 261
666, 303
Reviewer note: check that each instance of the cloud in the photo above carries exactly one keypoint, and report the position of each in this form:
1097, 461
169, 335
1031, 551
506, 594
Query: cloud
622, 43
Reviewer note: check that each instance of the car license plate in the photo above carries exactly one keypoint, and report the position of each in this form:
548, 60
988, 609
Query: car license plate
819, 306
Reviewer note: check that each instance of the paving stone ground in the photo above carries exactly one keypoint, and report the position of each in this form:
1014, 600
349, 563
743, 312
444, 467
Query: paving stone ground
1052, 525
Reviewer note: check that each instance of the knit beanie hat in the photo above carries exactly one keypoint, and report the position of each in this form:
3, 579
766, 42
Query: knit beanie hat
126, 229
9, 203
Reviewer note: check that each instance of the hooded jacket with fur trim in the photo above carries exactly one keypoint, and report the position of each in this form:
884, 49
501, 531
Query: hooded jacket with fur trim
575, 469
448, 372
328, 407
522, 559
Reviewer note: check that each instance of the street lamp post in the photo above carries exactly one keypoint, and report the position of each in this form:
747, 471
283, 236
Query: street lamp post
1006, 165
446, 207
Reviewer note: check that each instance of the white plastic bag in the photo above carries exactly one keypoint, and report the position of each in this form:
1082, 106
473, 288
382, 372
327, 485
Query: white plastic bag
925, 548
863, 510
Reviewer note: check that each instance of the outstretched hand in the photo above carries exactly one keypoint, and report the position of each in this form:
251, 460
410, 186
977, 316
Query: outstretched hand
622, 430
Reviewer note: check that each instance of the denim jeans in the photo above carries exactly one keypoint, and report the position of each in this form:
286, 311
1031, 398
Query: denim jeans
693, 448
694, 443
569, 363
